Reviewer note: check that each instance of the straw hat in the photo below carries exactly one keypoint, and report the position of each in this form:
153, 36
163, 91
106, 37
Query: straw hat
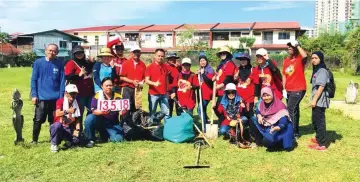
105, 52
224, 49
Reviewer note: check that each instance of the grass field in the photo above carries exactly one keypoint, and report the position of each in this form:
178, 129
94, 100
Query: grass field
164, 161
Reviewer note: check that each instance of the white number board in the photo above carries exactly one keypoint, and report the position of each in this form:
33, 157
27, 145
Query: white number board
114, 105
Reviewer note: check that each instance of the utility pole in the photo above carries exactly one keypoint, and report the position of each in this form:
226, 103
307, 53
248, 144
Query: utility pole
1, 48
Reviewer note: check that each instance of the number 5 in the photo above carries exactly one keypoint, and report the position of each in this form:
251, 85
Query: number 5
113, 105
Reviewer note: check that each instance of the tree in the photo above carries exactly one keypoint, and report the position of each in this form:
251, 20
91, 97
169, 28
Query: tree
186, 38
160, 39
4, 37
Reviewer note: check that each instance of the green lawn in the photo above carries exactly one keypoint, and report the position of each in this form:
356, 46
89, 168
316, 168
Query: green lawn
164, 161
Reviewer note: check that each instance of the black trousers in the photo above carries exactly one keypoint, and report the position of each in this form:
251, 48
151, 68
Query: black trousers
43, 109
129, 93
293, 105
171, 106
318, 121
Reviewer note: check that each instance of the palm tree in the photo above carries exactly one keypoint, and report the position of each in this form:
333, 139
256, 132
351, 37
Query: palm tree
160, 39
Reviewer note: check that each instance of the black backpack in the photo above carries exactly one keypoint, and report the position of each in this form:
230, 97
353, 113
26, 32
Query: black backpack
331, 86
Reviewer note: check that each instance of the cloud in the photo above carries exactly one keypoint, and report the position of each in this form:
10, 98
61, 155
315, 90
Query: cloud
271, 6
36, 15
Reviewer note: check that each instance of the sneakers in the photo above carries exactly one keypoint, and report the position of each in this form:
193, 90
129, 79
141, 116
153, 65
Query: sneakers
90, 144
33, 142
317, 147
54, 148
67, 145
313, 140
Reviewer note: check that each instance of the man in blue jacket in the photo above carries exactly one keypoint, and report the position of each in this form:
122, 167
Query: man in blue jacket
47, 85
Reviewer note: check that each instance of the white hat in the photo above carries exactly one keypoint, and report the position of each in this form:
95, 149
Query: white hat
135, 48
230, 86
71, 88
261, 52
186, 60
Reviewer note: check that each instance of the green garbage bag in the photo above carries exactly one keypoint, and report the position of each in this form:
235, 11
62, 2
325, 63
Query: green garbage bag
179, 129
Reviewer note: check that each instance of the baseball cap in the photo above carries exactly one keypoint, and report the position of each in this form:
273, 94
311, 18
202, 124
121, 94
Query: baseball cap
135, 48
186, 61
71, 88
261, 52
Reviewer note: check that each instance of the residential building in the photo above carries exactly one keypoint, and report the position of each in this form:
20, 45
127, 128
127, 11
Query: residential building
40, 40
93, 35
308, 31
128, 34
228, 34
156, 36
202, 33
333, 15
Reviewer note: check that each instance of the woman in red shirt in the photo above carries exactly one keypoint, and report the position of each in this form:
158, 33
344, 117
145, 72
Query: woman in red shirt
187, 84
78, 71
206, 74
294, 82
268, 73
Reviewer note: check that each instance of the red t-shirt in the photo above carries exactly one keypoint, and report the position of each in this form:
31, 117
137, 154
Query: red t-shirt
187, 98
226, 70
157, 72
132, 71
206, 91
85, 86
266, 79
222, 111
59, 106
118, 64
173, 73
294, 71
246, 89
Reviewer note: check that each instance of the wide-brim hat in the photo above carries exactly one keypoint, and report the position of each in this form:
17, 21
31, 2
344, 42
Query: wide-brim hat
223, 49
172, 55
105, 52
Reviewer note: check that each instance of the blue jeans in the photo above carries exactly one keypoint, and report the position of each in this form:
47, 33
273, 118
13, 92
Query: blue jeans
204, 104
100, 123
154, 100
225, 128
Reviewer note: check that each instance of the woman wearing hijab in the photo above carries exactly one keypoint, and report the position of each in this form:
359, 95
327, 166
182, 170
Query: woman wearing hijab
206, 74
320, 100
273, 123
224, 74
294, 83
247, 81
78, 71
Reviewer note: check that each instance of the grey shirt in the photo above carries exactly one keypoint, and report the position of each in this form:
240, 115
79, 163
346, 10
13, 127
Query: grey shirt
321, 78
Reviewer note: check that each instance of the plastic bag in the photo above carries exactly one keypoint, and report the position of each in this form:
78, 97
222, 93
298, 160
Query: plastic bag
179, 129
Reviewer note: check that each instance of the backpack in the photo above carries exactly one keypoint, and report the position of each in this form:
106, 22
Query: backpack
331, 86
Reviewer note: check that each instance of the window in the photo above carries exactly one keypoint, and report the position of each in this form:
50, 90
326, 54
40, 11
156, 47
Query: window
245, 33
257, 33
131, 36
96, 38
63, 44
169, 35
235, 34
75, 33
284, 35
221, 36
85, 37
147, 37
202, 35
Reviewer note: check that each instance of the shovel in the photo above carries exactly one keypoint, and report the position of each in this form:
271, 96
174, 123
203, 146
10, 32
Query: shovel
212, 129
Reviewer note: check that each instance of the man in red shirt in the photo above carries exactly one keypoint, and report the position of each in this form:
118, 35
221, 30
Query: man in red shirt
172, 67
66, 125
118, 60
294, 82
132, 76
156, 76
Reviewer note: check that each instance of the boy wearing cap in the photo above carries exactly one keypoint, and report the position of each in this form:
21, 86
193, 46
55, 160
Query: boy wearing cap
173, 73
187, 84
103, 69
118, 60
66, 125
132, 77
78, 71
268, 73
47, 85
156, 76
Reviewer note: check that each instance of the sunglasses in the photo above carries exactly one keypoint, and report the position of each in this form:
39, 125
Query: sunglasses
230, 92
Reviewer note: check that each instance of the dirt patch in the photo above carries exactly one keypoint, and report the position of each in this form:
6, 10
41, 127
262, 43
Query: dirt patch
351, 110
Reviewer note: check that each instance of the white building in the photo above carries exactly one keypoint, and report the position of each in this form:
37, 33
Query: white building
331, 15
309, 31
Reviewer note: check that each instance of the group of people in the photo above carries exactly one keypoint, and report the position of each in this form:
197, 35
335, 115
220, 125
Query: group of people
245, 94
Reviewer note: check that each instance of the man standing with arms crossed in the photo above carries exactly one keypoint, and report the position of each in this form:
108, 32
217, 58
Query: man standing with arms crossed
47, 85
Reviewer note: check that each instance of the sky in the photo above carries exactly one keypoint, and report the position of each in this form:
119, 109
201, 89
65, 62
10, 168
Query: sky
28, 16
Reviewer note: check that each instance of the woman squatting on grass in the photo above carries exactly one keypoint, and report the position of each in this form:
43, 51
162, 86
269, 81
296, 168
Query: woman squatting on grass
320, 100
